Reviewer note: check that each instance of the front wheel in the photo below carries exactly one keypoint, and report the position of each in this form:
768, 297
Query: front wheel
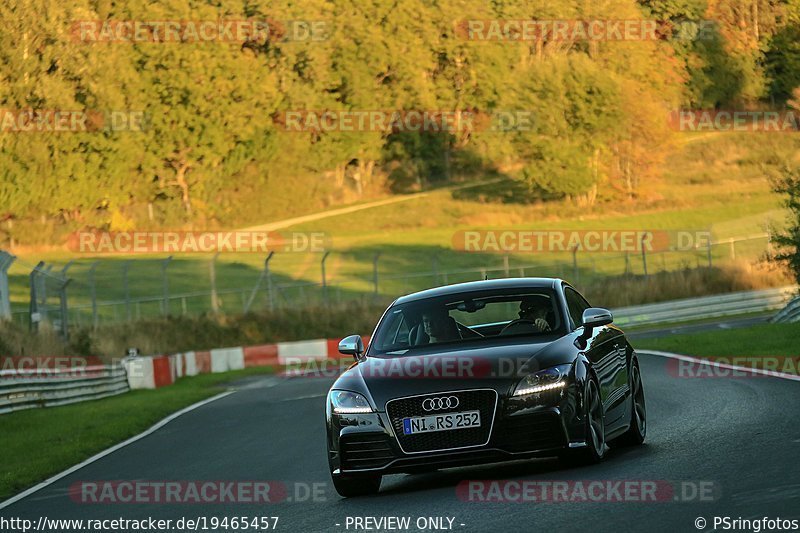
636, 433
350, 486
595, 449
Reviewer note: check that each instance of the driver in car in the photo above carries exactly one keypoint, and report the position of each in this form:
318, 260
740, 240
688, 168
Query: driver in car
532, 316
438, 326
535, 309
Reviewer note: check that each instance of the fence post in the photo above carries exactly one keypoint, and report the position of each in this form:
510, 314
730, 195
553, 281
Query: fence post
93, 294
62, 299
6, 259
165, 286
212, 275
644, 256
733, 248
257, 286
270, 288
708, 251
375, 272
126, 288
34, 316
324, 280
62, 303
45, 274
506, 268
575, 274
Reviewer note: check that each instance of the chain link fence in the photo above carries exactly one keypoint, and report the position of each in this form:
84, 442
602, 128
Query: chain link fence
87, 293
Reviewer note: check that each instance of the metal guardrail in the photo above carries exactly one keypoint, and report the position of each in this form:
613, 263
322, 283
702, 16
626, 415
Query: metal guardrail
790, 313
731, 304
19, 390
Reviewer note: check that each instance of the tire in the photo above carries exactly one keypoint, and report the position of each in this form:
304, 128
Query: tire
351, 486
595, 449
638, 430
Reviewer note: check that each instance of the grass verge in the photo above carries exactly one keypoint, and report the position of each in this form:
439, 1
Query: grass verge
39, 443
762, 340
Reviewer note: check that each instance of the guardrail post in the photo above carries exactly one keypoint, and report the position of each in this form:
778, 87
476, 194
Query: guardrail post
6, 259
506, 268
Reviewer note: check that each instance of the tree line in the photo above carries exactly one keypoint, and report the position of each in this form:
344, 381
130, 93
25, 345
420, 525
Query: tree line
191, 134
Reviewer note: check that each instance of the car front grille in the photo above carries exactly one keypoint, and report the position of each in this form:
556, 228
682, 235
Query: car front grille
359, 452
483, 400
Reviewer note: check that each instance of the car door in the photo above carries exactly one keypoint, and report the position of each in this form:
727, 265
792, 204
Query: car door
606, 350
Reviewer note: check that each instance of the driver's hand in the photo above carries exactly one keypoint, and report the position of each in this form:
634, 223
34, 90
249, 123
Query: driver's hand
542, 325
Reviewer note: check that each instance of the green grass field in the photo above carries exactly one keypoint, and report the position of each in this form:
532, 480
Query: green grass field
716, 183
762, 340
39, 443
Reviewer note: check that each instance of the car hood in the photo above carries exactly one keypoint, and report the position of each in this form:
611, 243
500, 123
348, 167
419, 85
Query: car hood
496, 365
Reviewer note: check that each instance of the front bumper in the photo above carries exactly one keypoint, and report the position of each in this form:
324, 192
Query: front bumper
366, 443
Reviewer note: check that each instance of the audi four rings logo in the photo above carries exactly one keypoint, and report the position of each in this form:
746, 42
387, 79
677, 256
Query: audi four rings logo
443, 402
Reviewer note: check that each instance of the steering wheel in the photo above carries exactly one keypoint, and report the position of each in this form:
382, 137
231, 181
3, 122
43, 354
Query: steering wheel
519, 322
533, 325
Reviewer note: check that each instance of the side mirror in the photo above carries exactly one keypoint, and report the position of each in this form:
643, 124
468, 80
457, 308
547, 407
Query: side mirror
352, 345
595, 317
592, 318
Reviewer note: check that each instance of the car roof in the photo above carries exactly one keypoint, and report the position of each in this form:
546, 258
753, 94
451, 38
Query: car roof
489, 284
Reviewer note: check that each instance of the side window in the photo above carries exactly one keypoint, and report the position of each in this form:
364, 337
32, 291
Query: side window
576, 305
396, 332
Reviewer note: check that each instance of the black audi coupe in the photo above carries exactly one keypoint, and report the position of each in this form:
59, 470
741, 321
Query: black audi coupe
482, 372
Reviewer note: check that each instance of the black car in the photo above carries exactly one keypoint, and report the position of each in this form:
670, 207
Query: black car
482, 372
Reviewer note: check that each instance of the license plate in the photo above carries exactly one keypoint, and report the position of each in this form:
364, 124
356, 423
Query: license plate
443, 422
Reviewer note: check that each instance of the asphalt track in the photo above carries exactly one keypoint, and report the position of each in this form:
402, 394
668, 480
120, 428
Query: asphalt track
740, 434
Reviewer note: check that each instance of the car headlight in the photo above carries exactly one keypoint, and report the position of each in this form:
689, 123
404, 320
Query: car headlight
346, 402
551, 378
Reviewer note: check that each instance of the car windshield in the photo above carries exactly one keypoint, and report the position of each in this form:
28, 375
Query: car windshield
466, 317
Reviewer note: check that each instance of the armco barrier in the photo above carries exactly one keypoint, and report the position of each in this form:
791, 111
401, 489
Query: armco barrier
60, 387
790, 313
723, 305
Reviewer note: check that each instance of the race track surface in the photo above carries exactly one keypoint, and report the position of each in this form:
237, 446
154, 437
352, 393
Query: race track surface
739, 435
